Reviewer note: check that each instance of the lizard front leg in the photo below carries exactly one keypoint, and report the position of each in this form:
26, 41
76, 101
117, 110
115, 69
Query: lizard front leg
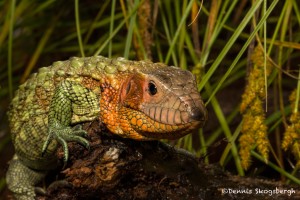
70, 98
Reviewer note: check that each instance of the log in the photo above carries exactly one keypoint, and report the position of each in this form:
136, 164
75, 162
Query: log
118, 168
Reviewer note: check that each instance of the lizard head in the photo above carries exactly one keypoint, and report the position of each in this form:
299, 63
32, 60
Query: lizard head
157, 102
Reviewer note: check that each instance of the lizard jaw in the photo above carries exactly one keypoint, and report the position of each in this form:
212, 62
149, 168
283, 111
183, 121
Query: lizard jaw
135, 124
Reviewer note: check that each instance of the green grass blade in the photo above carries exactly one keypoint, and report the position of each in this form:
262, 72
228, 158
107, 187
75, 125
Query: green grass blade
94, 23
218, 27
227, 131
116, 30
229, 44
229, 146
182, 22
40, 47
244, 48
213, 137
168, 30
10, 44
130, 30
78, 28
111, 26
275, 167
295, 109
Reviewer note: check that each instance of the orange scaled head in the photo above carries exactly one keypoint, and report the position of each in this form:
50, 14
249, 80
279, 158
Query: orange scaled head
157, 102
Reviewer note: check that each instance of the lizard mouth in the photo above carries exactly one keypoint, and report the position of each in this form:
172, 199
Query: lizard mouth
149, 128
172, 116
166, 131
170, 123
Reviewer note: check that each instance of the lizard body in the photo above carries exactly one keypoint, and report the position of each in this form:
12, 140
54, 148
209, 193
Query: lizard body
134, 99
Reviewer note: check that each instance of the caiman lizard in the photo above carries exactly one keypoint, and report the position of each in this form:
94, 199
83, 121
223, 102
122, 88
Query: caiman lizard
140, 100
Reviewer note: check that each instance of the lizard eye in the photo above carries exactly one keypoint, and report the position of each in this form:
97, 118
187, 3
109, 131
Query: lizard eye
152, 89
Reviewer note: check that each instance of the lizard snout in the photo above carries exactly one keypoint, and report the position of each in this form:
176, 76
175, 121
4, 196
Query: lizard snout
198, 114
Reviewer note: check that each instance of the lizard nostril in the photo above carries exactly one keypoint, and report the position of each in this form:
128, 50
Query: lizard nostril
198, 114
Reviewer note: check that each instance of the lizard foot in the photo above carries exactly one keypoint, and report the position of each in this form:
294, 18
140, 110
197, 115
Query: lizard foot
63, 134
21, 179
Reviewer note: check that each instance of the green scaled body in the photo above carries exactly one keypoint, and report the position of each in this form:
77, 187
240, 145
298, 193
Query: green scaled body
65, 93
28, 114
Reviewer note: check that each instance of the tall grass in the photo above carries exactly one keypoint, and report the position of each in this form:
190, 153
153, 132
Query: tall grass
214, 39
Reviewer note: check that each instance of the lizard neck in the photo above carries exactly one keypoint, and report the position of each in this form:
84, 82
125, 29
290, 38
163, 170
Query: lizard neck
110, 104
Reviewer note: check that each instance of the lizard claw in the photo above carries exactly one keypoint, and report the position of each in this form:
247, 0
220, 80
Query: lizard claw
63, 134
77, 130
